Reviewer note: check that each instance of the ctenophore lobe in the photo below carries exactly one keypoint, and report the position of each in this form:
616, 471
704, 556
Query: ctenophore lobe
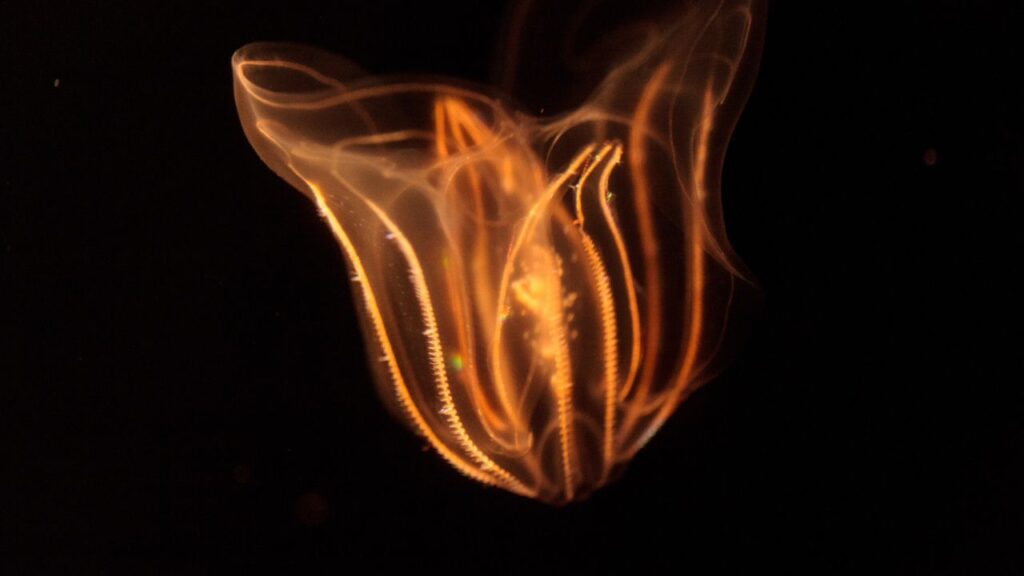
538, 293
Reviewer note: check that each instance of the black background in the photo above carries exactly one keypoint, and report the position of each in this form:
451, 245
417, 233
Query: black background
183, 386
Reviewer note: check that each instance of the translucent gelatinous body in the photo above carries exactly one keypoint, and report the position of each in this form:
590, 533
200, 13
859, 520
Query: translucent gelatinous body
538, 294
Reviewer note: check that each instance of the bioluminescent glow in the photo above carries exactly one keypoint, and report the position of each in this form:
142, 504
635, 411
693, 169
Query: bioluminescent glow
538, 293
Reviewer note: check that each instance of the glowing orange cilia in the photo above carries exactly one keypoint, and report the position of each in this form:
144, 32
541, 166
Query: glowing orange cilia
538, 293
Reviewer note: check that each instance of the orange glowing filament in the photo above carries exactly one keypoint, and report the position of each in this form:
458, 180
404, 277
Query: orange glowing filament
538, 294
